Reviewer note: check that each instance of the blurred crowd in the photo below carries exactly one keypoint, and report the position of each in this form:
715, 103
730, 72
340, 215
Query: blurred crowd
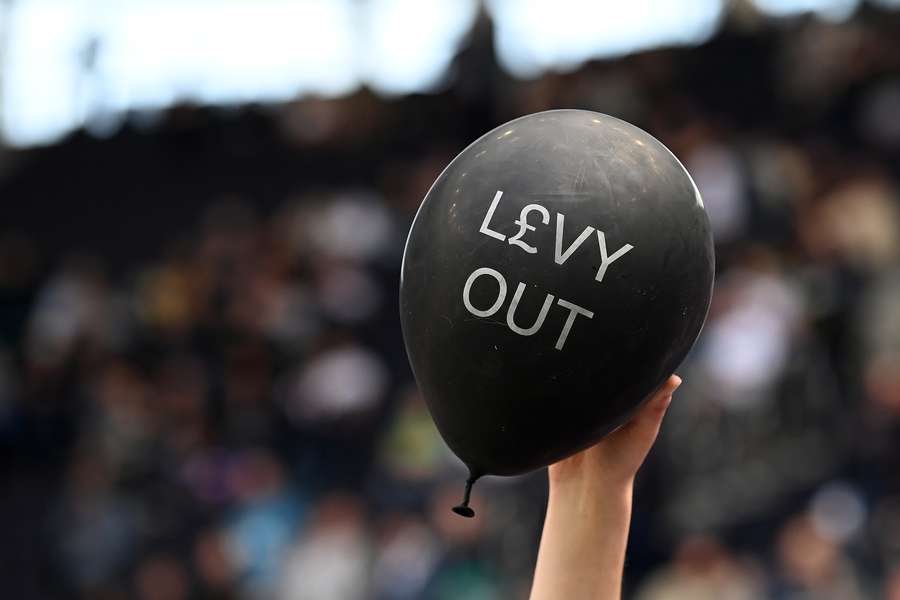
228, 413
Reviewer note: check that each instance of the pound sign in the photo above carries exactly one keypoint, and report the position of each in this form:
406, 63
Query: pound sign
522, 222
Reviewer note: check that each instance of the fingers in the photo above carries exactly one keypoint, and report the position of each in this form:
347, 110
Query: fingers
664, 393
618, 456
645, 425
656, 408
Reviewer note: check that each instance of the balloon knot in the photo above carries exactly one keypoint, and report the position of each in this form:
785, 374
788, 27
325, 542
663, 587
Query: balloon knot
464, 509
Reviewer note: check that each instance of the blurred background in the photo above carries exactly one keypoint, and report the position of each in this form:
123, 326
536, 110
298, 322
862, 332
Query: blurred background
203, 388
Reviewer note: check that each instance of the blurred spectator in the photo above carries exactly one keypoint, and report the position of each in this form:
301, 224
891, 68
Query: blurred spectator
702, 569
331, 560
892, 587
95, 528
161, 577
813, 566
412, 449
337, 384
463, 570
263, 523
406, 555
214, 566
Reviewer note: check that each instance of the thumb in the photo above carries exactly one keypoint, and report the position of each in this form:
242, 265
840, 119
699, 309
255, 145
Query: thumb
644, 427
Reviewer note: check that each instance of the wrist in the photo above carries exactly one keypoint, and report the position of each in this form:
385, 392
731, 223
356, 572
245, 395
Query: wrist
590, 484
592, 496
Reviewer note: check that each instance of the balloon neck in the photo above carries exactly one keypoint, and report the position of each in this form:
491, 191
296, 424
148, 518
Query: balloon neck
464, 509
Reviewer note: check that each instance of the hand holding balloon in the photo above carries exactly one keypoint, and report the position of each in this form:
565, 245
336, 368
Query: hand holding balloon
616, 459
582, 551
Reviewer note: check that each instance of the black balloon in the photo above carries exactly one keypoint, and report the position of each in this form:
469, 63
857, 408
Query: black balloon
559, 269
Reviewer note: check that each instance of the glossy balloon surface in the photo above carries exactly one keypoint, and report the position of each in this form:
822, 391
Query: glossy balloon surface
559, 269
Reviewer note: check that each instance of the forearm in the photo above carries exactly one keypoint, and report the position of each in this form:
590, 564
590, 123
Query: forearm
582, 551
